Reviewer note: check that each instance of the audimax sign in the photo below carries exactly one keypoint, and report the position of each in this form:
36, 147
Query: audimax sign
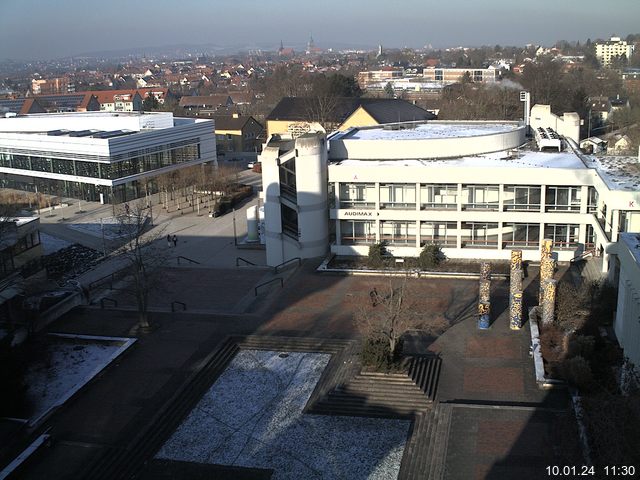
359, 214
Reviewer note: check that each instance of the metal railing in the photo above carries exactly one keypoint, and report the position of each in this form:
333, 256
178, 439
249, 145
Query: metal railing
182, 304
283, 264
104, 300
111, 278
187, 259
255, 290
240, 259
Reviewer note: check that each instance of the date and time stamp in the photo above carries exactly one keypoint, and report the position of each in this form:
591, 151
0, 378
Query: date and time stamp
571, 471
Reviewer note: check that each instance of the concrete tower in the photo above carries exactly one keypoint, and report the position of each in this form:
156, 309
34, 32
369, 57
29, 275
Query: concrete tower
294, 177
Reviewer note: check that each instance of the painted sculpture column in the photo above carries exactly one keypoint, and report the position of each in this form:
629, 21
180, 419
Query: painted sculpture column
549, 302
484, 310
547, 266
484, 296
515, 290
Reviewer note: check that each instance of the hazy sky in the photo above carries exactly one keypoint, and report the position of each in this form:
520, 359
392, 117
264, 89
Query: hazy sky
35, 29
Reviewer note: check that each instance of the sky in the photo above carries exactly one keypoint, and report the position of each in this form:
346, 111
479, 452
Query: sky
46, 29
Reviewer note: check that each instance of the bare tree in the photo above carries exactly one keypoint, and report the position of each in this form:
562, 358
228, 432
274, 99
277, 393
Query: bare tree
393, 309
143, 254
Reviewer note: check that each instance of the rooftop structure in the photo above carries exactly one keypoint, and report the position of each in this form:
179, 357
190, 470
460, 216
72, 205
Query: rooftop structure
111, 157
478, 189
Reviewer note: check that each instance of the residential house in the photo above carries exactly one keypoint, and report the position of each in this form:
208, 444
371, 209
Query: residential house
119, 100
69, 102
294, 115
237, 137
205, 105
20, 106
593, 145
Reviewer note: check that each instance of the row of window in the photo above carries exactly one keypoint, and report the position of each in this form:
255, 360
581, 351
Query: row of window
478, 197
109, 171
477, 234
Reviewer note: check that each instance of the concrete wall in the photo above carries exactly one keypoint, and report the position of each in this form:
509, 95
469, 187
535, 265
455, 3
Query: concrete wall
626, 325
568, 125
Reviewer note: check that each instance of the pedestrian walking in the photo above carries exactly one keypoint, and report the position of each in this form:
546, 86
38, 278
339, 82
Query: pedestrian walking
175, 241
169, 241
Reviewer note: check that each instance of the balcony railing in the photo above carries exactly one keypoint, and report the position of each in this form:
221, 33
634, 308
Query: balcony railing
443, 242
563, 208
350, 240
358, 204
479, 243
438, 206
522, 207
398, 205
480, 206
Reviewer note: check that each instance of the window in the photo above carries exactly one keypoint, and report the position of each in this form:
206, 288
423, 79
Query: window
590, 242
357, 195
524, 235
439, 75
521, 198
86, 169
353, 232
563, 199
477, 75
289, 218
64, 167
480, 197
564, 236
440, 233
288, 179
398, 233
439, 197
592, 201
398, 196
479, 234
41, 164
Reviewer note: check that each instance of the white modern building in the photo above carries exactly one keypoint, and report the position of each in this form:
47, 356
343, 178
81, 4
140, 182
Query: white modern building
100, 156
478, 189
612, 48
627, 321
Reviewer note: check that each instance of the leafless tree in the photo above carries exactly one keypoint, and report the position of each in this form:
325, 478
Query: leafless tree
394, 308
143, 254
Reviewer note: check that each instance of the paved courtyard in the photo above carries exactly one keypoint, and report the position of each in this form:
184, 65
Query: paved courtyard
501, 425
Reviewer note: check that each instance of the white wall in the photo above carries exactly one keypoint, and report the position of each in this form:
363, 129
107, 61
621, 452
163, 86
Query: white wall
568, 125
627, 321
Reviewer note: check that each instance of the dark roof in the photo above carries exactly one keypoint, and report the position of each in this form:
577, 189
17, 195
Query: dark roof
383, 110
229, 122
390, 110
206, 101
20, 106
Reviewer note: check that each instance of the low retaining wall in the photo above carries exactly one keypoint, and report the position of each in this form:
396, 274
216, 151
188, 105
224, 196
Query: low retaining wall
541, 379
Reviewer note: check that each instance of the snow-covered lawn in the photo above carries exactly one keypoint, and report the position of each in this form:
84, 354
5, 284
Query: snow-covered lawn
252, 417
69, 364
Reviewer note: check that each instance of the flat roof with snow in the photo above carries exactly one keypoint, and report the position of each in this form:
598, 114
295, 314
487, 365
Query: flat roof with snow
428, 130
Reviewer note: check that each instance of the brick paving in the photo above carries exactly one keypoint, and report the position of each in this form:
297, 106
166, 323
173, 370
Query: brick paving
502, 425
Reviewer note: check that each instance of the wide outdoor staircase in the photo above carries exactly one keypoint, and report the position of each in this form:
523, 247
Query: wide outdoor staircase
425, 453
125, 462
385, 395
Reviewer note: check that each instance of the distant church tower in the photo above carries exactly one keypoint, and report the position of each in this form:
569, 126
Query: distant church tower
379, 54
310, 45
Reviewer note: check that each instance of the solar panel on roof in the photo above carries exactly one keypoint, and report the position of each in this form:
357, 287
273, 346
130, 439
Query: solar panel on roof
57, 133
111, 134
82, 133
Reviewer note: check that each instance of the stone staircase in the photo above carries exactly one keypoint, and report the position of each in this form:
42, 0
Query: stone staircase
384, 395
118, 463
425, 453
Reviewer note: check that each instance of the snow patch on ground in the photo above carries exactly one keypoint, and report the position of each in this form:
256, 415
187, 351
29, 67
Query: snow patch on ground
252, 417
68, 366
